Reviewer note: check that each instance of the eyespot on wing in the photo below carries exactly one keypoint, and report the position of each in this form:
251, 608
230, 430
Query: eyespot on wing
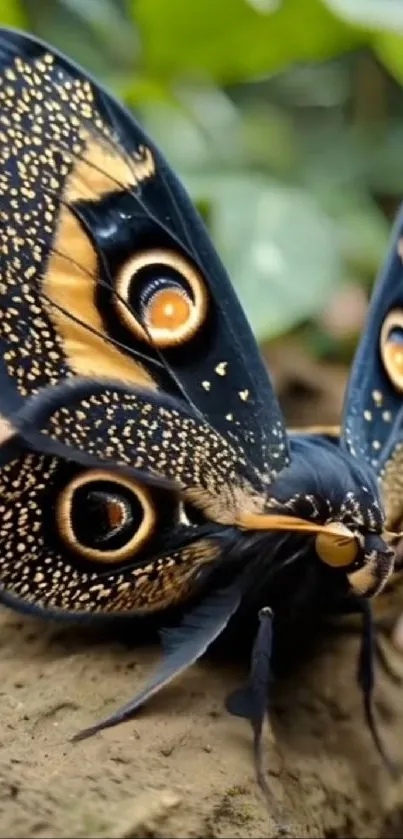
121, 511
161, 297
41, 571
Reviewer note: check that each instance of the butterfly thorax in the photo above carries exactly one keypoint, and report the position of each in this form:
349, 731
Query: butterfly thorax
325, 483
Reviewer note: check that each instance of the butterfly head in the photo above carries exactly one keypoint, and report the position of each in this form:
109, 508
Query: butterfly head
332, 502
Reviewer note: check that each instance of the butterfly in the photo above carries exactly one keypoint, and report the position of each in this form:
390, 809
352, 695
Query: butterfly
149, 470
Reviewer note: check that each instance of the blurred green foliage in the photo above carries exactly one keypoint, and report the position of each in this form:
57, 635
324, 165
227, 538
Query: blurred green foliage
283, 117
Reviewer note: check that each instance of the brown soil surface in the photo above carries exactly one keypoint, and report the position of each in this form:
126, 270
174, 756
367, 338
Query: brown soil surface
184, 766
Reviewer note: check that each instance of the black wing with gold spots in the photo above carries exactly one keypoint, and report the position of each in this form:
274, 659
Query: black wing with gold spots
148, 426
117, 500
105, 266
149, 431
152, 466
67, 533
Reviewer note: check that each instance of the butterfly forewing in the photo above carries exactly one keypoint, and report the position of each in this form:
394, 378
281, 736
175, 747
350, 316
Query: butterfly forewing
106, 267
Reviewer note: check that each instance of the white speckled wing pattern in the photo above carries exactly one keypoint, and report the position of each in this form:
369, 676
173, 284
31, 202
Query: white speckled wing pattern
48, 123
84, 193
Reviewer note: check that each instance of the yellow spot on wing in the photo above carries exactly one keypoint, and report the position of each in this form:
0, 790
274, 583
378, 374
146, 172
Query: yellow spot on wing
72, 285
49, 123
101, 170
221, 368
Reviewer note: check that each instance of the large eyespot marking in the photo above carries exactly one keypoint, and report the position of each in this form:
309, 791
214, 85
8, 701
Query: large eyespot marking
391, 346
103, 517
161, 297
337, 547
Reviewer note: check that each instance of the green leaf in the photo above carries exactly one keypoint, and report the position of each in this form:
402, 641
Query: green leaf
383, 20
282, 252
233, 40
202, 127
95, 35
108, 23
178, 135
388, 46
268, 139
364, 235
140, 90
13, 14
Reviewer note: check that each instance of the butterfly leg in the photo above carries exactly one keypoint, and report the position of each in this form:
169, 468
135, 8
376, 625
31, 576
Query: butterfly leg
251, 702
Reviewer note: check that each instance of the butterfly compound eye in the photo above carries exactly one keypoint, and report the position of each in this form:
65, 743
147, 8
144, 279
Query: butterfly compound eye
105, 518
391, 346
337, 547
161, 297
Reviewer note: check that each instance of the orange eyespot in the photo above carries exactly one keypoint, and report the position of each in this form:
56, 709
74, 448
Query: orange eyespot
391, 347
115, 512
168, 309
103, 517
161, 297
336, 545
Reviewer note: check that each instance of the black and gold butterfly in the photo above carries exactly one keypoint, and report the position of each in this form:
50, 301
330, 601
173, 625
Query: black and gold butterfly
150, 466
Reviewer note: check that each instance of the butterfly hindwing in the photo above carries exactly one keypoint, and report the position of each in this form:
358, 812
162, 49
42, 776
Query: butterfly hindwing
106, 267
87, 540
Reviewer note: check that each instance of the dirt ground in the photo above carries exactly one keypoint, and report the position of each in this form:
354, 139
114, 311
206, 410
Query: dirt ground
184, 766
